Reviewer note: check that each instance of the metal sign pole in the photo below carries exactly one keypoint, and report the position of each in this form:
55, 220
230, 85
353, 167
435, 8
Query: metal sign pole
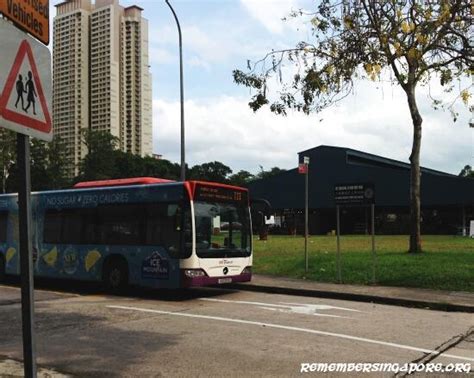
304, 168
306, 228
339, 274
374, 256
26, 260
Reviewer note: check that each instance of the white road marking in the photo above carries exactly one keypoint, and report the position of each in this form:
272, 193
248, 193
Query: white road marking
302, 311
297, 329
321, 306
296, 308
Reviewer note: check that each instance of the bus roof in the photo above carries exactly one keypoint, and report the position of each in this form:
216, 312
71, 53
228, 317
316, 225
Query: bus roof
147, 181
121, 182
189, 185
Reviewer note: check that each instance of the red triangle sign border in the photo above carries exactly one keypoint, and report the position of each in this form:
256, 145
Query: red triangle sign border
45, 127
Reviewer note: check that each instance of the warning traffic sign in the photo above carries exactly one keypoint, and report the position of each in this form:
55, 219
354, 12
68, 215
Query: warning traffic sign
25, 84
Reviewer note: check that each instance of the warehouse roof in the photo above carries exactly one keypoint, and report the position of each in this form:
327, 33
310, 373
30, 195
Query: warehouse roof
330, 166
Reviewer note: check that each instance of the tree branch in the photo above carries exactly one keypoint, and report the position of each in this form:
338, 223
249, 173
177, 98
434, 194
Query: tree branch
390, 57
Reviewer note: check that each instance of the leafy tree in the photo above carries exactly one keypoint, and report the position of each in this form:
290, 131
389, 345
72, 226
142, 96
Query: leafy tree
241, 178
407, 41
7, 155
213, 171
467, 172
47, 166
266, 174
38, 164
58, 162
129, 165
161, 168
100, 161
104, 161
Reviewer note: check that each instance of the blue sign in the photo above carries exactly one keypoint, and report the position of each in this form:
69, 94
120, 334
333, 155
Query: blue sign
156, 267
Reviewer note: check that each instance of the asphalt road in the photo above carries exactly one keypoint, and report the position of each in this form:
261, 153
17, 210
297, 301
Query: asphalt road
215, 332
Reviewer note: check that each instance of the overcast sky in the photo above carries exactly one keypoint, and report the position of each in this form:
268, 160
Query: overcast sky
219, 36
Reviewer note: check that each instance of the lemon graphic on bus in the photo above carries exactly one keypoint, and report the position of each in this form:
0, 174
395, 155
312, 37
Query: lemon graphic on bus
51, 257
10, 253
92, 258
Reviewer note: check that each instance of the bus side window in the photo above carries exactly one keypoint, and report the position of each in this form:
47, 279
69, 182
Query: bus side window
52, 227
89, 226
3, 226
158, 224
121, 224
72, 226
161, 227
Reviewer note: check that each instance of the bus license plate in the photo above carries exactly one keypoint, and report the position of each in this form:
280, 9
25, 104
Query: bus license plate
224, 280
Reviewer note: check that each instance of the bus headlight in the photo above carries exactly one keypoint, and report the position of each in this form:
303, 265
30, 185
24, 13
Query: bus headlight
247, 270
192, 273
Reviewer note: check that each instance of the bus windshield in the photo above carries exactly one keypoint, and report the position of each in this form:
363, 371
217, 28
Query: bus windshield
222, 230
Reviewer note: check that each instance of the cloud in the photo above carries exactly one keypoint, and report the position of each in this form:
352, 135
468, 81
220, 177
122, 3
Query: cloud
198, 62
226, 130
213, 44
270, 12
160, 56
231, 40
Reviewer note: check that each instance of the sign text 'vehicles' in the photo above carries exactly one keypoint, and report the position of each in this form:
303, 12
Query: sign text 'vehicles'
30, 15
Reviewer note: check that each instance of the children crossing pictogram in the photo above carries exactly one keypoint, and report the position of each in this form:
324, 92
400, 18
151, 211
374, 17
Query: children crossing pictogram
22, 91
20, 88
30, 89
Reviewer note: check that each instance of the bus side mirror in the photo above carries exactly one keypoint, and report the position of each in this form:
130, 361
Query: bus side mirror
261, 205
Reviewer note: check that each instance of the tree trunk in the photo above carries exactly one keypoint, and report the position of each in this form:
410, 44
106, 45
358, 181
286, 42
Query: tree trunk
415, 175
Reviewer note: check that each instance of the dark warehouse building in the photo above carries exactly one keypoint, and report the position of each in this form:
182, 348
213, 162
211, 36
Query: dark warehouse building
447, 201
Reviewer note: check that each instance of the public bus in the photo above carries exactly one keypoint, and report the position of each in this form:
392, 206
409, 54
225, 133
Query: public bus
142, 231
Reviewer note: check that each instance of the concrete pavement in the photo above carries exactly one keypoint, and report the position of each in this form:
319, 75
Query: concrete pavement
211, 332
399, 296
12, 369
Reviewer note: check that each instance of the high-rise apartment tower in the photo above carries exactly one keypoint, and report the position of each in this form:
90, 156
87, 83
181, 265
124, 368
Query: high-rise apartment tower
101, 77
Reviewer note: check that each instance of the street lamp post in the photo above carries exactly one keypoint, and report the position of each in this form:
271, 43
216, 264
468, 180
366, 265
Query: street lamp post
183, 166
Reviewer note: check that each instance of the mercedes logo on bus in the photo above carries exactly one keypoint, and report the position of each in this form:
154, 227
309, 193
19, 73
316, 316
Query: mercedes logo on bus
225, 270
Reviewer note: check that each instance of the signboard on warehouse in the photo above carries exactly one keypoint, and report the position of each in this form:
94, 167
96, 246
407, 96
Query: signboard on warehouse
354, 194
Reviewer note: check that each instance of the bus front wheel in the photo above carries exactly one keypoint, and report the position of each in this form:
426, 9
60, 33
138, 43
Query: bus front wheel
115, 274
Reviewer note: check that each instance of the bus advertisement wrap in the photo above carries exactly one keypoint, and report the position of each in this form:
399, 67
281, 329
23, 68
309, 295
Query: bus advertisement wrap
135, 234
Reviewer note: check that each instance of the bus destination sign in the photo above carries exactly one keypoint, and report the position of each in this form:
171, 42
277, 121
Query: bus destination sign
220, 194
30, 15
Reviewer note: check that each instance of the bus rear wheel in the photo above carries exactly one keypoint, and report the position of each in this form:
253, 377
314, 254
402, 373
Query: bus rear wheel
115, 275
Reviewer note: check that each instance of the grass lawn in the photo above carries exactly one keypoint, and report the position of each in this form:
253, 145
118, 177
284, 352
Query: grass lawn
447, 262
